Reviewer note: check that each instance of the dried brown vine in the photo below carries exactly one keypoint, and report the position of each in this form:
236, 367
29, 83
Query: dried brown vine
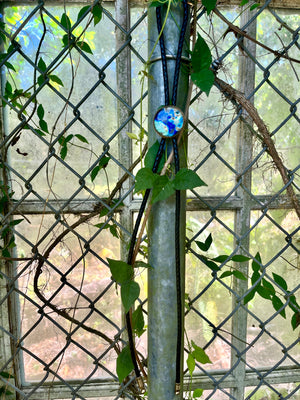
265, 138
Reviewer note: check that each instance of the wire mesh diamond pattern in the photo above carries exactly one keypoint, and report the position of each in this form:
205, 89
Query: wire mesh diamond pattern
67, 205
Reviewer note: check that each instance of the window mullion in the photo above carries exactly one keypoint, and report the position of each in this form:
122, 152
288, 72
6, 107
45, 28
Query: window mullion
242, 215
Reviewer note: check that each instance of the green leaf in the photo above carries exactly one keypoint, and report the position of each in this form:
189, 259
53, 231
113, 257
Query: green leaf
144, 179
255, 265
162, 189
82, 138
65, 21
9, 66
63, 152
67, 139
56, 79
141, 264
103, 212
130, 291
293, 304
240, 275
221, 258
104, 161
243, 2
94, 173
213, 266
249, 296
97, 13
237, 274
6, 375
268, 286
200, 355
295, 321
138, 321
8, 88
157, 3
43, 125
277, 304
40, 111
226, 274
191, 363
204, 246
254, 6
113, 230
66, 39
41, 64
204, 79
40, 80
209, 5
102, 225
187, 179
255, 277
201, 57
121, 272
4, 390
197, 393
11, 243
6, 253
82, 12
15, 222
150, 157
239, 258
132, 136
124, 364
280, 281
263, 292
84, 47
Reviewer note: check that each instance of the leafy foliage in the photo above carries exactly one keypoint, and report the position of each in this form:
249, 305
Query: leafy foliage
138, 321
252, 7
267, 291
196, 354
7, 236
3, 389
124, 364
201, 59
222, 259
209, 5
123, 274
163, 187
103, 162
130, 291
150, 157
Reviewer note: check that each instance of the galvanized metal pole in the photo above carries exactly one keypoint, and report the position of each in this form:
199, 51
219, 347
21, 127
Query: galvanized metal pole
162, 298
242, 217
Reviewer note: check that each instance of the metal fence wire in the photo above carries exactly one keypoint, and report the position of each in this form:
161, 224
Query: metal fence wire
73, 130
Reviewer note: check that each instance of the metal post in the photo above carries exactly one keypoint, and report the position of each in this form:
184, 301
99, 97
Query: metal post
242, 217
162, 320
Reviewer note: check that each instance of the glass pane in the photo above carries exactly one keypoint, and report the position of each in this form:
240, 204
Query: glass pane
88, 296
79, 106
208, 301
270, 334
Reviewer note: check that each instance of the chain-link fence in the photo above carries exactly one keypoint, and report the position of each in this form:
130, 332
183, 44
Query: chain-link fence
73, 127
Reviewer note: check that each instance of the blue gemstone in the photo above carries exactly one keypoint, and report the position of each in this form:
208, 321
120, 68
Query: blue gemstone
168, 121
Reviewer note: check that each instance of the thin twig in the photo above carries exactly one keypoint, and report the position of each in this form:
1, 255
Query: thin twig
240, 32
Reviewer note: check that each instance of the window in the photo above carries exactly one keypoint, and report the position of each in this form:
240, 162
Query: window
74, 110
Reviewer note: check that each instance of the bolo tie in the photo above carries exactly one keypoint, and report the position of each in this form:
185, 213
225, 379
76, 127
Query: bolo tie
168, 123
